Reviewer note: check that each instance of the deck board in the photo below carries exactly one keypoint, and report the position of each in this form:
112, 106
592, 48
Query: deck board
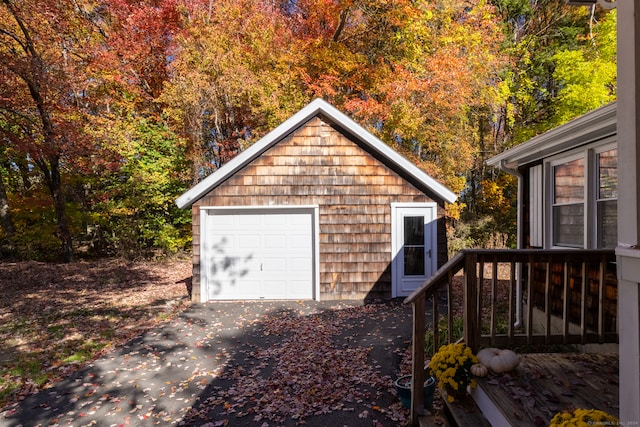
547, 383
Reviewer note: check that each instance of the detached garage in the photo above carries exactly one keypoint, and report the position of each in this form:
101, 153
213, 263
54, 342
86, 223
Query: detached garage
317, 209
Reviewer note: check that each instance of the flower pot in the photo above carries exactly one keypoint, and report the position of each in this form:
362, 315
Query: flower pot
403, 387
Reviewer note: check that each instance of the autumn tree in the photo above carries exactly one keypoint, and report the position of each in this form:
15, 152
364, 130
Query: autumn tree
417, 74
555, 53
109, 109
130, 202
235, 76
39, 57
414, 72
79, 81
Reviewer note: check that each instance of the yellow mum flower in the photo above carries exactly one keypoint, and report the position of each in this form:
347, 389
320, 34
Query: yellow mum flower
451, 366
583, 418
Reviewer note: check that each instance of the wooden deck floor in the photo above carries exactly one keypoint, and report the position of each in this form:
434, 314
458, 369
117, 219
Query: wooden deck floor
546, 383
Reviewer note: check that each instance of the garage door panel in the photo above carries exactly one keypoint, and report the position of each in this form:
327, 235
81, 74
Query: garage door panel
300, 264
249, 289
274, 265
259, 255
245, 220
278, 219
298, 241
275, 241
248, 242
275, 289
300, 220
296, 288
225, 221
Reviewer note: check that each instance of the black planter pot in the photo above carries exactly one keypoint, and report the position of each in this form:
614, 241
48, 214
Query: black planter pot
403, 387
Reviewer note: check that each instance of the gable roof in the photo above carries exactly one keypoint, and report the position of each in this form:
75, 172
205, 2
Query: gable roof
329, 113
590, 127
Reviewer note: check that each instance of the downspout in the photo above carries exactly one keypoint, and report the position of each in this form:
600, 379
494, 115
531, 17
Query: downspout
503, 166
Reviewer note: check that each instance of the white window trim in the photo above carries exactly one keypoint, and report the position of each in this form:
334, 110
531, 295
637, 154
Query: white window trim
588, 153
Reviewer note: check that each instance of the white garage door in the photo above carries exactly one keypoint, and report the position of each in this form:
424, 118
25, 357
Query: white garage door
257, 254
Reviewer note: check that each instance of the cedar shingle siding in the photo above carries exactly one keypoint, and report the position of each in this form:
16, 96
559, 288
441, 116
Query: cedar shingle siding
318, 165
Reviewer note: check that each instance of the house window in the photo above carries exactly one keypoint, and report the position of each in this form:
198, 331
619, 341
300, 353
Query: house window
584, 201
607, 198
568, 204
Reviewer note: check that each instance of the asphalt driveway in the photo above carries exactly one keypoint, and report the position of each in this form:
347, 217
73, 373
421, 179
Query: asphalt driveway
241, 364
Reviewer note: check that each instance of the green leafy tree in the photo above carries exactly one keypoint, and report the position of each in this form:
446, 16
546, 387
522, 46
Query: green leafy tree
587, 76
133, 209
555, 52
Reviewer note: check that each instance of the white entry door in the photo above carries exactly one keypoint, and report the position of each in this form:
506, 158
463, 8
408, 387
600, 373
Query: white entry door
414, 246
257, 254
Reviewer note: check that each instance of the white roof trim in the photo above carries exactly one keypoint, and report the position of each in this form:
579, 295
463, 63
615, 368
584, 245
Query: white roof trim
318, 106
593, 126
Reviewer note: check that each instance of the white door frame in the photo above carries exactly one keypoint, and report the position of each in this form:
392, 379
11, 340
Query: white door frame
398, 211
315, 217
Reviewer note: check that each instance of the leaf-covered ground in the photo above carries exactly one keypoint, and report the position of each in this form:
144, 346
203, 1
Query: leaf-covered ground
315, 365
111, 343
55, 317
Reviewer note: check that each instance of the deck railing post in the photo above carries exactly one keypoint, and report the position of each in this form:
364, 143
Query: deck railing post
471, 323
417, 379
601, 290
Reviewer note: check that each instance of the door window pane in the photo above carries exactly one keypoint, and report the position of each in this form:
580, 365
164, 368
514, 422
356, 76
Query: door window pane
414, 250
414, 230
413, 261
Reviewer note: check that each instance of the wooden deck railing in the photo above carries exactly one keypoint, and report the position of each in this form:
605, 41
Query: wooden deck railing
514, 298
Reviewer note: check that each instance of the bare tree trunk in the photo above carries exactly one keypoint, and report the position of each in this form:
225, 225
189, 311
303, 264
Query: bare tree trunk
64, 230
51, 172
5, 215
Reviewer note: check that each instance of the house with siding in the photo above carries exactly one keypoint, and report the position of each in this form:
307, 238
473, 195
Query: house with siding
320, 209
567, 199
567, 183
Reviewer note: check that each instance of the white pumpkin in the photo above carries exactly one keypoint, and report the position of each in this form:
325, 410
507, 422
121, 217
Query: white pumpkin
499, 361
479, 370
